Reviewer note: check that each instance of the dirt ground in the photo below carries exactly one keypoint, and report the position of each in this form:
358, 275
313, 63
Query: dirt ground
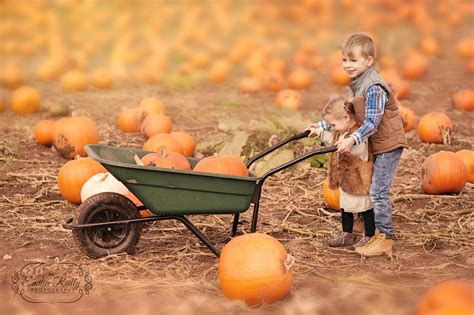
171, 272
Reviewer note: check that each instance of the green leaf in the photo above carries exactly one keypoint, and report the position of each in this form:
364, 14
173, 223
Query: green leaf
273, 160
235, 145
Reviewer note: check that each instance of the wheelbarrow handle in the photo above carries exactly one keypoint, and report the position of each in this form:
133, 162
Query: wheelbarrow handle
304, 134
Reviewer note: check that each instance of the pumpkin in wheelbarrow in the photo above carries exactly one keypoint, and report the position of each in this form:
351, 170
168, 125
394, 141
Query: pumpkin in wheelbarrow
255, 268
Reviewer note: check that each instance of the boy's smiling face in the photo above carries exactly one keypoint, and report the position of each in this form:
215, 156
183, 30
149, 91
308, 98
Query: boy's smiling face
355, 63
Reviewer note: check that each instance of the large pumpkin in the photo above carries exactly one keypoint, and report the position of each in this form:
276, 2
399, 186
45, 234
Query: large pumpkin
44, 132
464, 100
25, 100
408, 118
71, 134
186, 140
331, 196
467, 156
102, 182
166, 159
74, 174
255, 268
443, 172
129, 120
163, 140
156, 123
226, 164
435, 128
456, 296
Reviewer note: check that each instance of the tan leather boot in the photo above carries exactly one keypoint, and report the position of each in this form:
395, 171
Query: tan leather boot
376, 246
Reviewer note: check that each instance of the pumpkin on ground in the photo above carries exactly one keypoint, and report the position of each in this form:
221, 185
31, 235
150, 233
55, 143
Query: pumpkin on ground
339, 77
435, 128
250, 85
274, 81
166, 159
25, 100
467, 156
187, 141
129, 120
289, 99
226, 164
163, 140
101, 79
452, 297
151, 105
443, 172
71, 134
44, 132
299, 79
102, 182
74, 80
408, 118
74, 174
255, 268
331, 196
156, 123
464, 100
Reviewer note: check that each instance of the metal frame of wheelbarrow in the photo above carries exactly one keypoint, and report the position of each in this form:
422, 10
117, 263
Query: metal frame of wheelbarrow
68, 224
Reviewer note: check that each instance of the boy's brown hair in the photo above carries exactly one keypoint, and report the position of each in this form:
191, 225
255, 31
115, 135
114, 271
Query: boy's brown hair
358, 40
338, 107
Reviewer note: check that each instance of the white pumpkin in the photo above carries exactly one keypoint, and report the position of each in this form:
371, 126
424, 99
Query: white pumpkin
102, 182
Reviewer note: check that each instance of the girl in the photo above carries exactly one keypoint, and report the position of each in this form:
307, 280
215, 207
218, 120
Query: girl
350, 172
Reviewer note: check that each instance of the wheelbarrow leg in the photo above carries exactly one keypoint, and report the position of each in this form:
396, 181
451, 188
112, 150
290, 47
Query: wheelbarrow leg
235, 224
198, 234
258, 192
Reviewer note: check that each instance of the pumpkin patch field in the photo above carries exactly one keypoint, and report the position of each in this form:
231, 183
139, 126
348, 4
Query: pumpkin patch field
204, 86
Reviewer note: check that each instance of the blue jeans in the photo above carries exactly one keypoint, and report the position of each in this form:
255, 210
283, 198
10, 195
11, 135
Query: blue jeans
385, 165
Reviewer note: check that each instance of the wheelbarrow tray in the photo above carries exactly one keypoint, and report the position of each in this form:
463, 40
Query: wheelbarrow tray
175, 192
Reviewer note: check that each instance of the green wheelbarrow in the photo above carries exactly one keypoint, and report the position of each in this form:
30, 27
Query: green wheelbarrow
110, 223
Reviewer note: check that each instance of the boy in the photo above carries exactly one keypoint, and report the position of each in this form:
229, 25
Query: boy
376, 110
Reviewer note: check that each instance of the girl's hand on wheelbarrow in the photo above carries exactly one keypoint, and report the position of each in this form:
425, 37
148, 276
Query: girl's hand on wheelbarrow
314, 129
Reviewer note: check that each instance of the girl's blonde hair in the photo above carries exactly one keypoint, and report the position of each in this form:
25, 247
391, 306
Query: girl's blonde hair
338, 107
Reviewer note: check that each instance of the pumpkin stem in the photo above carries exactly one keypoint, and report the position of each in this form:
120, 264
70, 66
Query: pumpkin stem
290, 262
446, 134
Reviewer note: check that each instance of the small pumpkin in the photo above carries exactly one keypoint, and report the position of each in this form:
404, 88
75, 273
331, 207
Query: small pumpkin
447, 296
25, 100
289, 99
274, 81
72, 176
464, 100
74, 80
102, 182
71, 134
163, 140
467, 156
186, 140
219, 72
415, 66
129, 120
339, 76
44, 132
255, 268
12, 76
465, 48
150, 105
226, 164
250, 85
331, 196
435, 128
156, 123
408, 118
400, 87
101, 79
429, 46
299, 79
166, 159
443, 172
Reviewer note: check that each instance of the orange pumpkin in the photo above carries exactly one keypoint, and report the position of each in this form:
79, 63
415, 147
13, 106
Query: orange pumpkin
129, 120
187, 141
156, 123
299, 79
288, 98
465, 48
415, 66
444, 297
73, 175
316, 62
464, 100
226, 164
2, 105
331, 196
71, 134
163, 140
467, 156
435, 128
151, 105
339, 76
12, 76
49, 69
101, 79
255, 268
274, 81
443, 172
166, 159
25, 100
400, 87
219, 72
408, 118
470, 66
250, 85
429, 46
44, 132
74, 80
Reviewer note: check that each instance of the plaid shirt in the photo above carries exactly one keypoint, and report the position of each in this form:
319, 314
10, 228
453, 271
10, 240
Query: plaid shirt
375, 100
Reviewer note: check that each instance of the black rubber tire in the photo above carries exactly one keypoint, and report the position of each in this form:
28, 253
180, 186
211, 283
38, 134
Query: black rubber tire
101, 241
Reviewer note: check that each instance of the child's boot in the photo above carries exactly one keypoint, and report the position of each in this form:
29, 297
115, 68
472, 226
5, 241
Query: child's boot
343, 239
358, 226
378, 245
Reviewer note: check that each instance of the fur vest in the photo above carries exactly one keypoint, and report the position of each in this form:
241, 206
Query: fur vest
349, 172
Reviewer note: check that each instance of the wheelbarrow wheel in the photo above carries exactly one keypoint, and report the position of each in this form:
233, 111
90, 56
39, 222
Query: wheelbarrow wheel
105, 240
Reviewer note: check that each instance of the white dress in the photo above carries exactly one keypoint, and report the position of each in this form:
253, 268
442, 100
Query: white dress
347, 201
